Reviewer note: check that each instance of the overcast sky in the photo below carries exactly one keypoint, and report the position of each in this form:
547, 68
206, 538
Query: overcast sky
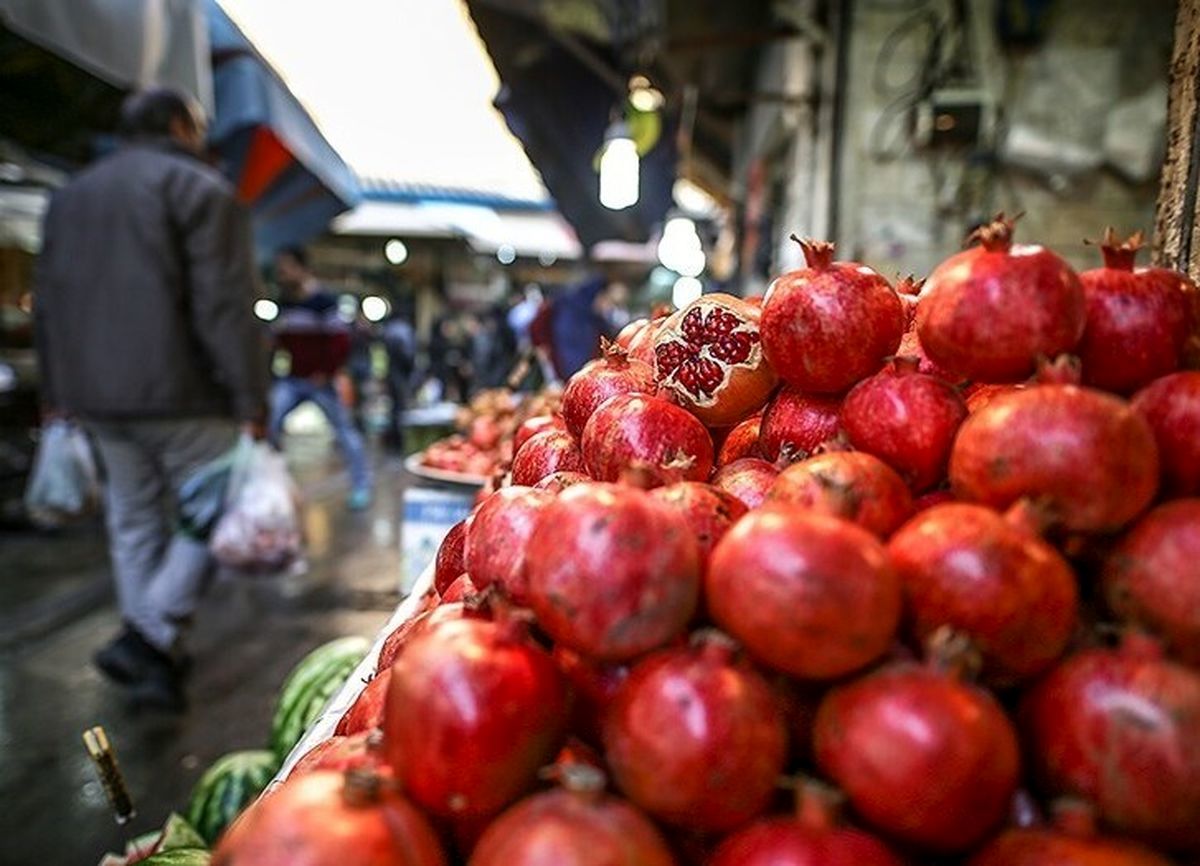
402, 88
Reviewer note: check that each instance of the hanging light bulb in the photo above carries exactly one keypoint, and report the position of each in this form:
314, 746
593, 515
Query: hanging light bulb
618, 168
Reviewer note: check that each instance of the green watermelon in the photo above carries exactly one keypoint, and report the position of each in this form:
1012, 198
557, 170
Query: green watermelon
228, 787
309, 687
180, 857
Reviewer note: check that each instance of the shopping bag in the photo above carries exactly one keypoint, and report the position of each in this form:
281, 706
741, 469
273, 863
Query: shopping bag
204, 494
259, 531
64, 484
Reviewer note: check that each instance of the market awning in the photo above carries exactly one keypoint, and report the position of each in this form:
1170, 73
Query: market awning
559, 108
281, 164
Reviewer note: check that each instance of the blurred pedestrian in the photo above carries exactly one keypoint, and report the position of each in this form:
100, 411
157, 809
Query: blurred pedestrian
145, 330
310, 330
401, 345
581, 316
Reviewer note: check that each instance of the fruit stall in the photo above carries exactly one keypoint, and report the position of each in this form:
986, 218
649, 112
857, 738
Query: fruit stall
852, 573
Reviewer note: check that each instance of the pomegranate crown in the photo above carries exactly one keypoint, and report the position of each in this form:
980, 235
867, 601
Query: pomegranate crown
1063, 370
817, 254
995, 236
1118, 254
909, 285
612, 351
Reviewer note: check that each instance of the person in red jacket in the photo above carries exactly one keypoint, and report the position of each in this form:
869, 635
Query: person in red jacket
309, 329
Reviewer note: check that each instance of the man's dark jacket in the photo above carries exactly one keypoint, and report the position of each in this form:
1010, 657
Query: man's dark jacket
145, 291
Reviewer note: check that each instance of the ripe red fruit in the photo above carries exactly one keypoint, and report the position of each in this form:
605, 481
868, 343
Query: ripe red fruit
641, 342
359, 751
742, 441
627, 333
326, 817
709, 357
991, 579
544, 454
979, 394
593, 687
806, 594
574, 825
748, 478
906, 419
1119, 728
1085, 457
795, 424
812, 837
537, 424
406, 631
1172, 406
1150, 577
474, 710
847, 484
448, 564
828, 325
614, 372
695, 737
923, 757
1072, 841
612, 572
634, 429
557, 482
988, 313
366, 713
707, 510
1138, 321
499, 536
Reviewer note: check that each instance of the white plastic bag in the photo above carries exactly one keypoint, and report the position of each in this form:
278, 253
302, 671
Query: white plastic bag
260, 529
64, 484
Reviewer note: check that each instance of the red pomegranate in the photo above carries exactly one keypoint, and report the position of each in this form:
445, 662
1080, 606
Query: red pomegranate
709, 357
695, 737
366, 713
409, 629
1084, 456
923, 757
1172, 406
448, 564
632, 429
614, 372
1072, 841
908, 290
1151, 576
460, 590
988, 313
814, 836
747, 478
361, 751
828, 325
629, 331
557, 482
847, 484
979, 395
796, 424
907, 419
544, 454
1119, 728
330, 818
806, 594
991, 579
641, 342
593, 686
577, 824
537, 424
741, 441
927, 500
707, 510
474, 710
499, 535
1138, 321
611, 571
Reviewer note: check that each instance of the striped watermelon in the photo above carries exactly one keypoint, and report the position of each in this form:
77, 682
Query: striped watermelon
180, 857
309, 687
227, 787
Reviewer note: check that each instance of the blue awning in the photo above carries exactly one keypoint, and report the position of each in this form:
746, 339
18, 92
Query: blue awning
283, 167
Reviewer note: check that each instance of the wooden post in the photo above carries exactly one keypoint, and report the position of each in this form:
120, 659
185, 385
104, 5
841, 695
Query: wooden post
1177, 222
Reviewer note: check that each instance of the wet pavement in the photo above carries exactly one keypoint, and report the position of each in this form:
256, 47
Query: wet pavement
56, 608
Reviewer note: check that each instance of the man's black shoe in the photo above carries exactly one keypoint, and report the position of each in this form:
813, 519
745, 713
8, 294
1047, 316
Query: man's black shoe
160, 688
124, 658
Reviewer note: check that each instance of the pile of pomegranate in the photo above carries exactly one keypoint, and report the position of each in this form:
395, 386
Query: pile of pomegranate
488, 427
771, 593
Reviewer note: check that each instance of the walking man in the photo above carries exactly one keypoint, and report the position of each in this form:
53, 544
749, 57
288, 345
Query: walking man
145, 334
309, 329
